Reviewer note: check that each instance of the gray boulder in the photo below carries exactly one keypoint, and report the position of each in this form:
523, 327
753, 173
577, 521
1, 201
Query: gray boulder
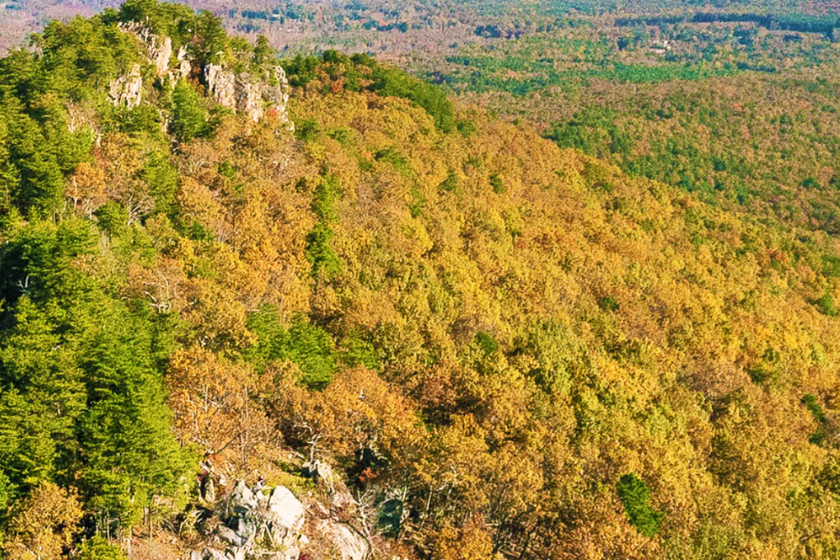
254, 526
349, 543
229, 536
284, 515
241, 500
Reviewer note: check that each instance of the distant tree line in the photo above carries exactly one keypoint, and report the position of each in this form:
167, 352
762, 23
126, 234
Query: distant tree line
800, 23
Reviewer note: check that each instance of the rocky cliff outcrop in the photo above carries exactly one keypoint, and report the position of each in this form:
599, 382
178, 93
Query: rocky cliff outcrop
127, 90
248, 94
254, 523
158, 49
221, 85
184, 66
253, 95
325, 477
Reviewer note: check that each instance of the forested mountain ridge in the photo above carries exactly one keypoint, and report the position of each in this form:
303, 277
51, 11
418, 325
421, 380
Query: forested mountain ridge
641, 84
503, 348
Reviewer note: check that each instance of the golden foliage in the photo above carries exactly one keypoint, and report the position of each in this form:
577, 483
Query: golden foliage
533, 325
216, 404
43, 525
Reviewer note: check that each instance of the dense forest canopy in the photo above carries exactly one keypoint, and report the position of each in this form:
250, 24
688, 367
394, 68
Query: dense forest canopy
505, 348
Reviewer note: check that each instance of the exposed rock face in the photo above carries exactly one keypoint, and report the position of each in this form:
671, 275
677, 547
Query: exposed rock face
249, 95
158, 49
324, 476
285, 513
127, 90
184, 66
254, 96
162, 54
241, 499
221, 84
278, 95
347, 541
253, 525
321, 473
249, 98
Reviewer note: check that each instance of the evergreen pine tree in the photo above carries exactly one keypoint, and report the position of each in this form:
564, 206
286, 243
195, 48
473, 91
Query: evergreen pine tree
188, 116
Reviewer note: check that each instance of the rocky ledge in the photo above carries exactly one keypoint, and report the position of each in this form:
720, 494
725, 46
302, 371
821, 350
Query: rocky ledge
257, 523
252, 94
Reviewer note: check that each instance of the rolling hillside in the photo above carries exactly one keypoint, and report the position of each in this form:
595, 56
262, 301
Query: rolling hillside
222, 264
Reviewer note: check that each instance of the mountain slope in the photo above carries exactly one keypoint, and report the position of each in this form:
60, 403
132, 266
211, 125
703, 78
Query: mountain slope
505, 348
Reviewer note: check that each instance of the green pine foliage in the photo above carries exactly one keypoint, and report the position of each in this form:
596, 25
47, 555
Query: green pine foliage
211, 39
99, 548
608, 303
319, 250
5, 495
82, 393
162, 179
189, 118
635, 495
263, 52
391, 82
810, 402
817, 412
487, 343
177, 21
306, 345
592, 130
497, 184
357, 349
450, 184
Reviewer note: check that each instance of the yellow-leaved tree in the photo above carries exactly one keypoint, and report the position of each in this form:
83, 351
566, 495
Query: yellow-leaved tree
43, 525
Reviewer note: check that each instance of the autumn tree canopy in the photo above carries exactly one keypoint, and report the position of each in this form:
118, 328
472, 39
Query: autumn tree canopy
505, 348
